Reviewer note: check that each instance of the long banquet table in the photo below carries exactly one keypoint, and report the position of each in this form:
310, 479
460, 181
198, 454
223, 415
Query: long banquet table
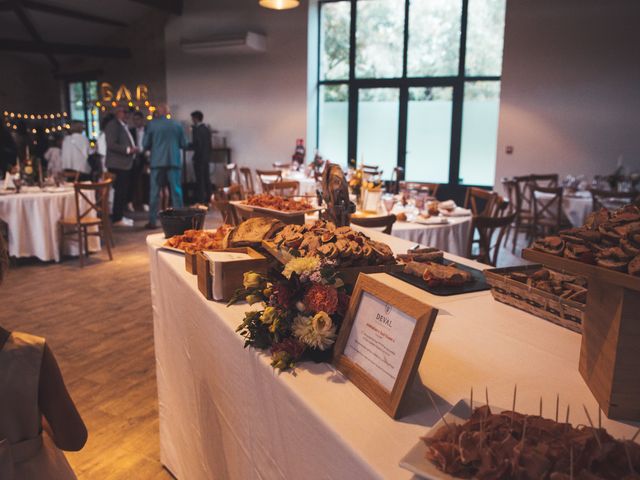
33, 216
224, 412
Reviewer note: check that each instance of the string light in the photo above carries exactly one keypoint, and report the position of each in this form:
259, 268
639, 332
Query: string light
27, 118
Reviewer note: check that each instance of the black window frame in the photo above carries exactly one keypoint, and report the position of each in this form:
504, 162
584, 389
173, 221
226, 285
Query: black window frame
404, 82
85, 99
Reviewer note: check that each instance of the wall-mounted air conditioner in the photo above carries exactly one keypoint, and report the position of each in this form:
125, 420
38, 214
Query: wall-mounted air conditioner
235, 43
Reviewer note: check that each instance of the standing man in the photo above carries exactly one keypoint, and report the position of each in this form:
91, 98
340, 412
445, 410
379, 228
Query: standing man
201, 145
121, 149
75, 151
164, 137
138, 190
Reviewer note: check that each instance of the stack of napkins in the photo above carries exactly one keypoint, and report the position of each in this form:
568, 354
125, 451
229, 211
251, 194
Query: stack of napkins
217, 259
432, 220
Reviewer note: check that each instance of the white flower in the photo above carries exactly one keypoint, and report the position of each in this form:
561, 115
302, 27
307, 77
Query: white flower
301, 265
317, 331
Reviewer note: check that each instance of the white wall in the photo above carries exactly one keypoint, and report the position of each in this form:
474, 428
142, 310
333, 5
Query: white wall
570, 100
258, 101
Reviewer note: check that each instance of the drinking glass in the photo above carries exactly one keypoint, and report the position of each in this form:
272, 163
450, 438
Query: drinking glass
388, 200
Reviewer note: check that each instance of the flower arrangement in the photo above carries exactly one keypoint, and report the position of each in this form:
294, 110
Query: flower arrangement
303, 308
358, 184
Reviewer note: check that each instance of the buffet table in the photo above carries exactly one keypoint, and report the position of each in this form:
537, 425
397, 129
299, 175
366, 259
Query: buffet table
33, 216
225, 413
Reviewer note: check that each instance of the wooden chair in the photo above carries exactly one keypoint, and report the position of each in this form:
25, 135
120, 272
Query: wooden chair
480, 201
69, 175
233, 174
489, 229
268, 176
371, 172
248, 180
385, 222
600, 197
95, 215
281, 165
227, 211
420, 186
234, 192
547, 211
289, 188
396, 178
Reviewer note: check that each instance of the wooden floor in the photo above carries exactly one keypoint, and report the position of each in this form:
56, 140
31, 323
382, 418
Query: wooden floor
98, 322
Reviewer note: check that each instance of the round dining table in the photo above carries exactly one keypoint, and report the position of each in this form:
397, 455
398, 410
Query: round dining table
33, 216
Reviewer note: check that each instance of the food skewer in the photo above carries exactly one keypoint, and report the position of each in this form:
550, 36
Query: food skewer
557, 405
635, 435
593, 429
471, 404
438, 410
540, 406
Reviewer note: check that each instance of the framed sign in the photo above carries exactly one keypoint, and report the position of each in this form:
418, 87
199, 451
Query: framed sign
371, 200
381, 341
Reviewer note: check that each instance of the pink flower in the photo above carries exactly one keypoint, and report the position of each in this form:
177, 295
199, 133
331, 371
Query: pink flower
322, 298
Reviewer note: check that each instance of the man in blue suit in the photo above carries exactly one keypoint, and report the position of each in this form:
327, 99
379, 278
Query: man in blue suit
164, 137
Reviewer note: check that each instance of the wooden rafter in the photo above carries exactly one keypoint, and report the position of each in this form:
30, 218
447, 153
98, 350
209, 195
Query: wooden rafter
50, 48
66, 12
38, 41
170, 6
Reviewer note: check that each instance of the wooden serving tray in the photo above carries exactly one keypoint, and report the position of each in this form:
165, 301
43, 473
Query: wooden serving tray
349, 274
609, 359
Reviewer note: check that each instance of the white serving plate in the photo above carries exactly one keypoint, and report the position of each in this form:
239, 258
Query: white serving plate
415, 460
177, 250
251, 208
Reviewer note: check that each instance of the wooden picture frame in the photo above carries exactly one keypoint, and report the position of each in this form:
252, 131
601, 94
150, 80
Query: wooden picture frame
398, 307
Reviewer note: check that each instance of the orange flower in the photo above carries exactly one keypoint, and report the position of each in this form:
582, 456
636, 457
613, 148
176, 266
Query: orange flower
322, 298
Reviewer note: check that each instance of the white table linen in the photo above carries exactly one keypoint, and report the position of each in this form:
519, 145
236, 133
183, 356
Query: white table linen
307, 185
33, 217
450, 237
225, 413
576, 207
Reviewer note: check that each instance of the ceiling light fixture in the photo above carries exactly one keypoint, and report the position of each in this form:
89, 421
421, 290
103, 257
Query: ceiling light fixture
279, 4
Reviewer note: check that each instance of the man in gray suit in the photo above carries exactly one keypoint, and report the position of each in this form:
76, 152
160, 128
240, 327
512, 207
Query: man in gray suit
121, 150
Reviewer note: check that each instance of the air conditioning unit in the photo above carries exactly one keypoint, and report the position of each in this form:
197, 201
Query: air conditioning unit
236, 43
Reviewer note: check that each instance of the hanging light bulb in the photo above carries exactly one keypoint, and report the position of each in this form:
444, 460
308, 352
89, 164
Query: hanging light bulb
279, 4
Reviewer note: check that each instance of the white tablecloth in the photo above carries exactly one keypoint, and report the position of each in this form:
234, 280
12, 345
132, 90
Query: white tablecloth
576, 207
451, 237
307, 185
33, 219
225, 413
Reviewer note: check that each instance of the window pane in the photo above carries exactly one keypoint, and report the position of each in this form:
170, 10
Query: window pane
92, 111
333, 123
485, 37
429, 134
479, 133
434, 37
379, 38
76, 101
378, 111
335, 21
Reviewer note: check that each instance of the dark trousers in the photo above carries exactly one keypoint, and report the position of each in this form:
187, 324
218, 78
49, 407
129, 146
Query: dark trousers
138, 194
120, 192
203, 182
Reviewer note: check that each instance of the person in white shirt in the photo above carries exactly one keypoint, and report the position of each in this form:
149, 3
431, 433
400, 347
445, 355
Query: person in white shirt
53, 156
75, 151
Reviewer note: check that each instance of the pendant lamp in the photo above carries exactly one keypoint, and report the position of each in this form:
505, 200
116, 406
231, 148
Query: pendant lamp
279, 4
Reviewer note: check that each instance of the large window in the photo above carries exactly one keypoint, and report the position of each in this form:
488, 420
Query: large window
82, 98
413, 83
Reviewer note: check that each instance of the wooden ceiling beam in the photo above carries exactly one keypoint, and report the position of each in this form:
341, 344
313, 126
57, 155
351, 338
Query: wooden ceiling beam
170, 6
15, 45
27, 23
66, 12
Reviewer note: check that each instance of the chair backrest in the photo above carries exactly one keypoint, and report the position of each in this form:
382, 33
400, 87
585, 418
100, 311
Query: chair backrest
281, 165
480, 201
548, 180
98, 204
599, 197
233, 175
248, 180
371, 172
385, 222
268, 176
70, 175
233, 192
489, 229
288, 188
547, 206
227, 211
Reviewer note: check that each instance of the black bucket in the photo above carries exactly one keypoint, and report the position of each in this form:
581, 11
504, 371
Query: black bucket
176, 220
